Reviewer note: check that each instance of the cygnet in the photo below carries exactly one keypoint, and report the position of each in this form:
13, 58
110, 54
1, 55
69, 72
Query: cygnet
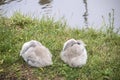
35, 54
74, 53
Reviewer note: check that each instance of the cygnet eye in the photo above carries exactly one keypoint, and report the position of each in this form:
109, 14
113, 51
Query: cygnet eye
78, 43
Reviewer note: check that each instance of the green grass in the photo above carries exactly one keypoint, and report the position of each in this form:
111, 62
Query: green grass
103, 49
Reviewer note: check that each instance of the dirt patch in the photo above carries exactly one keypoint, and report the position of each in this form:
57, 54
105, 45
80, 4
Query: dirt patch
20, 73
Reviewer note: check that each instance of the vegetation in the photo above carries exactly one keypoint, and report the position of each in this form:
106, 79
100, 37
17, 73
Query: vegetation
103, 49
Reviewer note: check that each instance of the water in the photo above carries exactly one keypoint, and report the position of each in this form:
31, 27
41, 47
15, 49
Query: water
77, 13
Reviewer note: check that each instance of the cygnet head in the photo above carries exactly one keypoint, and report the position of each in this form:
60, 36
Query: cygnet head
69, 43
27, 45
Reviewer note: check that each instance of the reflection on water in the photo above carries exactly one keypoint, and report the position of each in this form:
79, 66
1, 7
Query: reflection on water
85, 13
46, 6
2, 2
43, 2
80, 13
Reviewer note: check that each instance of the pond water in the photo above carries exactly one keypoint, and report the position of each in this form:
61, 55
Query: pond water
77, 13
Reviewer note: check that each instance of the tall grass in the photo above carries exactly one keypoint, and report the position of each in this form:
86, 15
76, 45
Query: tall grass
103, 50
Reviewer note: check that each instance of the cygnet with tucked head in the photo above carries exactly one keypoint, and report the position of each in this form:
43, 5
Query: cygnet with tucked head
74, 53
35, 54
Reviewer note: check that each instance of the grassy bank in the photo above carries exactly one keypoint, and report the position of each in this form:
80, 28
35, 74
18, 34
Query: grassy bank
103, 50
